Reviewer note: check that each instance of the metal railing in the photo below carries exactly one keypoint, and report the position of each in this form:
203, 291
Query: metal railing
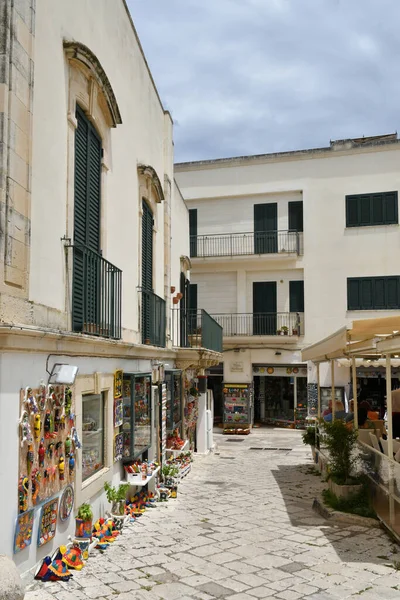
153, 317
96, 294
240, 244
249, 324
196, 329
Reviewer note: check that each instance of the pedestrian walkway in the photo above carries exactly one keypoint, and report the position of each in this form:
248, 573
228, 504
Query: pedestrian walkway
241, 528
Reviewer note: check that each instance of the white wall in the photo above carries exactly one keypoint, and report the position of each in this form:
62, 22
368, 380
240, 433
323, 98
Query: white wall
216, 292
145, 137
331, 252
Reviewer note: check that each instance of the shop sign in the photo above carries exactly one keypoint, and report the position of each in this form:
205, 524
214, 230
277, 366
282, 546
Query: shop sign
237, 367
274, 371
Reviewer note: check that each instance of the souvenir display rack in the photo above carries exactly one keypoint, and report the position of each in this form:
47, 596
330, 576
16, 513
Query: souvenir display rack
191, 410
174, 399
237, 408
136, 426
49, 441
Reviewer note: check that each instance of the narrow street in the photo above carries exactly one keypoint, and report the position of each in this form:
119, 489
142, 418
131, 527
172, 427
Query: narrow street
241, 528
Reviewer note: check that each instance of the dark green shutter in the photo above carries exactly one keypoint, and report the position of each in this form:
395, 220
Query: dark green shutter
352, 216
264, 308
390, 208
392, 292
147, 272
296, 216
87, 198
296, 296
373, 293
193, 231
377, 209
365, 210
265, 228
353, 294
379, 298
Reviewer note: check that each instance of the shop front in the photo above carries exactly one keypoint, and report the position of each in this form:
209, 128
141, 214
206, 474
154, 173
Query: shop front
280, 395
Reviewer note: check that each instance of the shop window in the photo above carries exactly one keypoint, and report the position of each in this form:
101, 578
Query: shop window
174, 409
364, 210
92, 434
136, 425
373, 293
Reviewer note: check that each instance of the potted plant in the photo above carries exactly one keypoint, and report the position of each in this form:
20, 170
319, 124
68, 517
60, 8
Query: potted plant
116, 496
341, 443
279, 332
84, 521
285, 329
309, 439
295, 331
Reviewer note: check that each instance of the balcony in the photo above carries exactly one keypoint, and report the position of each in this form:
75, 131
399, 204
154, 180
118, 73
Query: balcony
96, 294
260, 324
196, 329
153, 319
246, 244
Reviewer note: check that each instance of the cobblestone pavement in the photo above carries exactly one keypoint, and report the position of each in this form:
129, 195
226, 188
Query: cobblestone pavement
241, 528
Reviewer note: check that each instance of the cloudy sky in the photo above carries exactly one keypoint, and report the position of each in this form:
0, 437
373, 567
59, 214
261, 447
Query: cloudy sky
255, 76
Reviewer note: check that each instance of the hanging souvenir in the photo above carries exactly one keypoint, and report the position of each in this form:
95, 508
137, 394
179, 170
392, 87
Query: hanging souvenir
61, 468
118, 379
41, 453
23, 489
48, 522
60, 396
37, 426
47, 425
26, 433
42, 396
66, 503
57, 421
23, 531
50, 450
29, 458
71, 464
58, 447
35, 478
68, 443
68, 401
62, 422
51, 395
75, 438
31, 400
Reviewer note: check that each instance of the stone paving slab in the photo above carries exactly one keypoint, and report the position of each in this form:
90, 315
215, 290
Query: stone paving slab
240, 529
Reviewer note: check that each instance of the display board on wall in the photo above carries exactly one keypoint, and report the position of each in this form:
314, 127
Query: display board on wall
163, 422
48, 444
274, 371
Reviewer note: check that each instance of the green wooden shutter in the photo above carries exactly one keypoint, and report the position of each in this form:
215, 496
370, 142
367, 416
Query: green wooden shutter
380, 298
296, 216
266, 228
193, 231
390, 208
365, 210
352, 216
87, 198
377, 210
367, 293
392, 292
147, 248
296, 296
353, 294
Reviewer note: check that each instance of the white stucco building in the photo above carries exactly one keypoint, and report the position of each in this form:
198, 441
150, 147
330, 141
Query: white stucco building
265, 228
94, 245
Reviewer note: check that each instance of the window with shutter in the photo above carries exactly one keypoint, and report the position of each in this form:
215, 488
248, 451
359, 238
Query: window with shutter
193, 231
373, 293
296, 296
296, 216
87, 198
147, 272
372, 209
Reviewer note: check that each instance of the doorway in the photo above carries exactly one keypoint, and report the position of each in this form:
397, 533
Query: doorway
264, 308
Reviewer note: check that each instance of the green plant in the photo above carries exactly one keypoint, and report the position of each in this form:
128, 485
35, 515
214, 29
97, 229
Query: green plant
116, 496
85, 512
341, 443
309, 436
169, 471
356, 504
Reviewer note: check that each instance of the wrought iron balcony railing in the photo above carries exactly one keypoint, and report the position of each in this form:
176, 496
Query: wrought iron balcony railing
153, 319
96, 294
250, 324
242, 244
196, 329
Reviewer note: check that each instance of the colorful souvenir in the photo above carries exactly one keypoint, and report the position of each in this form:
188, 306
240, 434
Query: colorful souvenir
23, 531
35, 479
61, 467
67, 445
53, 570
47, 424
23, 489
71, 464
37, 426
118, 412
68, 401
75, 438
57, 421
41, 453
26, 433
72, 557
83, 546
50, 450
31, 400
118, 446
29, 458
48, 522
42, 397
118, 380
62, 422
66, 503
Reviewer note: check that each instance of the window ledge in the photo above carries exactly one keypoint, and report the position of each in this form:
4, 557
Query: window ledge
94, 478
352, 227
